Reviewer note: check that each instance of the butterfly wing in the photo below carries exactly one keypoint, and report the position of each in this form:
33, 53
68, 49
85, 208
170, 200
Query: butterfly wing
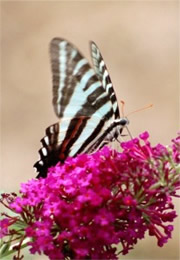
76, 87
79, 96
77, 91
103, 75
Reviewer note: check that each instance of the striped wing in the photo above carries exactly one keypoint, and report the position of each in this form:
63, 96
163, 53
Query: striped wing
103, 75
77, 90
81, 101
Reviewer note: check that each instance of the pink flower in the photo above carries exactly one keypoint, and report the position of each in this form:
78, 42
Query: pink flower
4, 224
93, 202
129, 200
104, 218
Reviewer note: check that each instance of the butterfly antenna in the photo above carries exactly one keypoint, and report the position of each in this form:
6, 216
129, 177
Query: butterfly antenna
140, 109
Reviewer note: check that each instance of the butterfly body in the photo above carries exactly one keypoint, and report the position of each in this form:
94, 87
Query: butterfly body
85, 103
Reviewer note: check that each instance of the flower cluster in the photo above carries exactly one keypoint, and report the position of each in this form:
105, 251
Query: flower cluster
92, 202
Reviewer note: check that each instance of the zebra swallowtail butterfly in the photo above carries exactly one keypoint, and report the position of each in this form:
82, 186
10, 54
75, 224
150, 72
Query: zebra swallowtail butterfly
85, 103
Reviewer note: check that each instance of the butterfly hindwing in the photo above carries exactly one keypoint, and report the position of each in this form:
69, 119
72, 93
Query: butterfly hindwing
56, 145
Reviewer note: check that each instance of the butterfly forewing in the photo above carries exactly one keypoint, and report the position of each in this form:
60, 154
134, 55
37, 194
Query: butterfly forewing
76, 88
103, 75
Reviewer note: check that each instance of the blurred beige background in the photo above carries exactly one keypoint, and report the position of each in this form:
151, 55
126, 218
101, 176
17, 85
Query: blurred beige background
139, 42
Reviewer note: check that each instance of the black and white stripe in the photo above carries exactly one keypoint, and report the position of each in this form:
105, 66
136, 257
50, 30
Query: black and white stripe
85, 103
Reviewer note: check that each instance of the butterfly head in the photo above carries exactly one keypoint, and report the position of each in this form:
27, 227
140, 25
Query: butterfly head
120, 124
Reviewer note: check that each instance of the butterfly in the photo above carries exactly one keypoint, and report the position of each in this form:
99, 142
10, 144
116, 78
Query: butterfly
84, 102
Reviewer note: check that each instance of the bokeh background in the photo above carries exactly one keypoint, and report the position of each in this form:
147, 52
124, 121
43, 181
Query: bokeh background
139, 42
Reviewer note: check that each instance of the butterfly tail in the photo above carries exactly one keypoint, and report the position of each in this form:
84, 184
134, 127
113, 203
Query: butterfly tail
49, 152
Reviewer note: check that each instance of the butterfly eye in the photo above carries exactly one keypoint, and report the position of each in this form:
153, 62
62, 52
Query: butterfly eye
124, 122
